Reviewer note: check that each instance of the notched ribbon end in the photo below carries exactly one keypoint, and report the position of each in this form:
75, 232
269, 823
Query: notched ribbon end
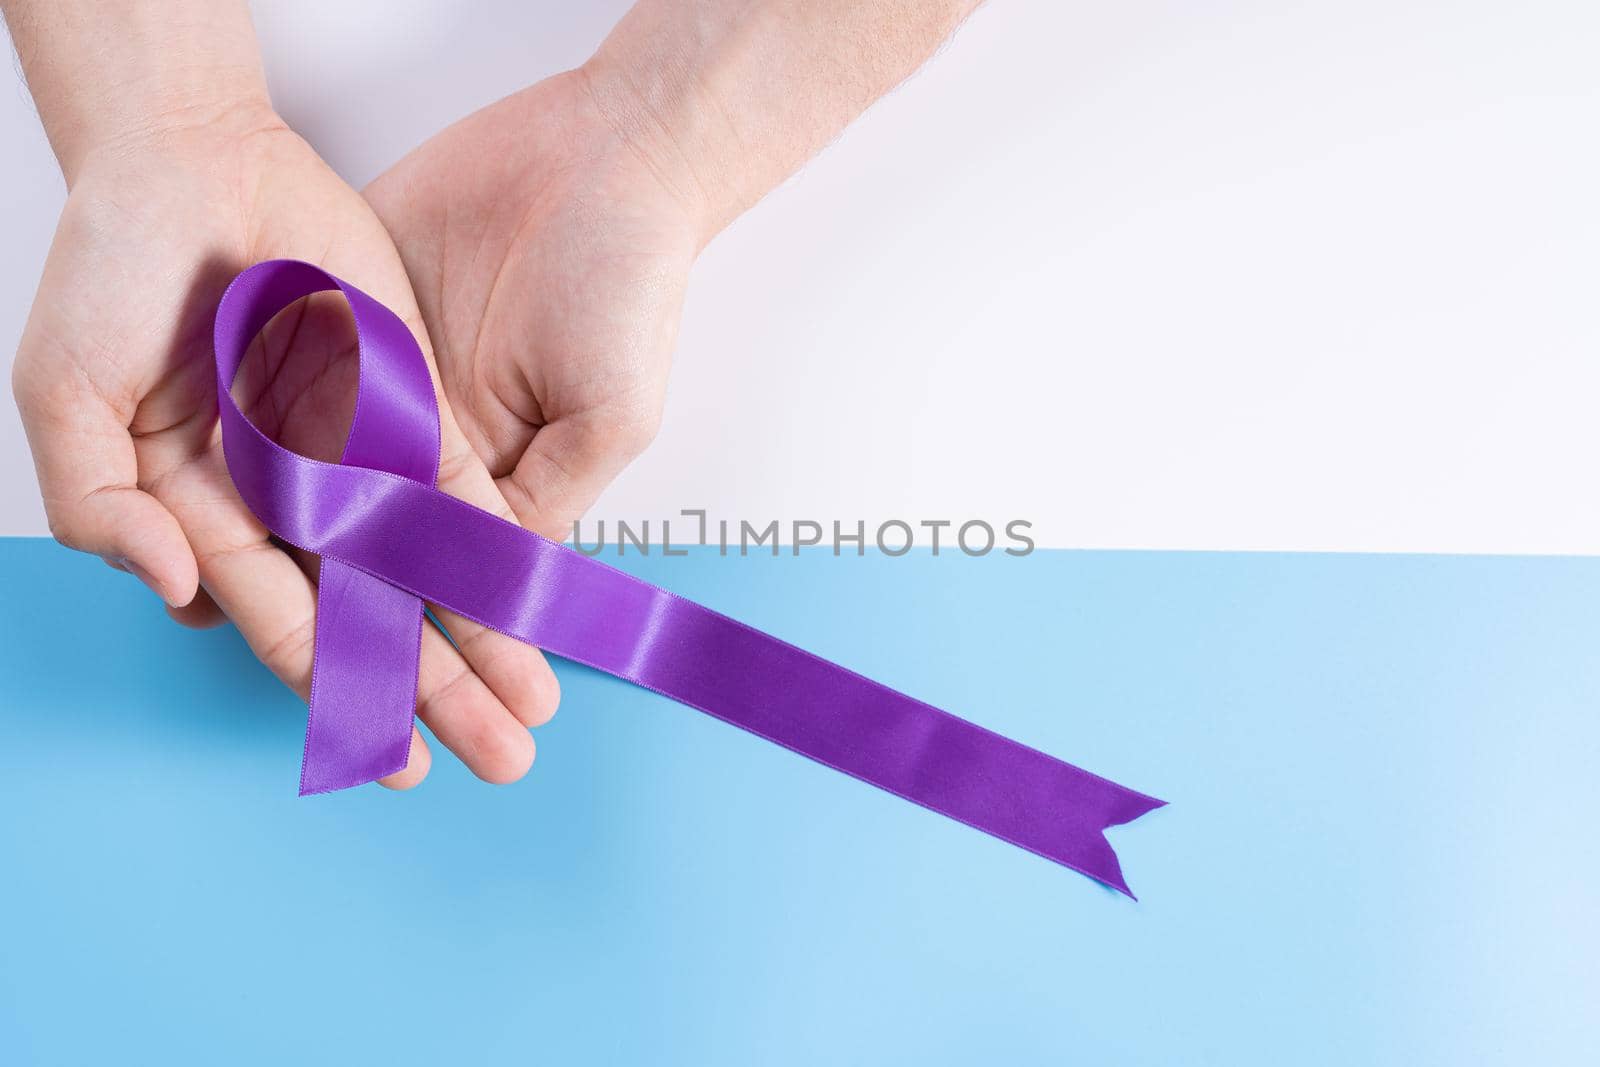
1101, 863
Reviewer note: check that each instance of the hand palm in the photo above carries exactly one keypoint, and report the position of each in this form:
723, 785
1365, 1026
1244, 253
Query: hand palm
116, 382
551, 275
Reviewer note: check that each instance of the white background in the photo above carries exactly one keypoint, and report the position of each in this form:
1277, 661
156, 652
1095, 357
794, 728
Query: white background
1167, 275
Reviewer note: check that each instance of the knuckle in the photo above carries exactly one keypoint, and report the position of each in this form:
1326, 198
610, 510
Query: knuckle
627, 432
281, 654
40, 387
644, 430
21, 388
65, 528
29, 394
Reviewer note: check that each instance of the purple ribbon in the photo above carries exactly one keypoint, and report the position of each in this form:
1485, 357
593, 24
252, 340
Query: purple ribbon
389, 541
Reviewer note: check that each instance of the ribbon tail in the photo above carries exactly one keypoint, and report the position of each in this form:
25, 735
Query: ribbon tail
445, 551
389, 540
1084, 846
363, 680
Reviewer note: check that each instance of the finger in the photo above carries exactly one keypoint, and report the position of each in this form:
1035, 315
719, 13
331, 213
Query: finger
272, 601
515, 672
88, 478
264, 592
204, 611
201, 613
467, 717
570, 462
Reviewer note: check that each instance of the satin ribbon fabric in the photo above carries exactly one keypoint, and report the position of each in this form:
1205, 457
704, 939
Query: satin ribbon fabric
390, 541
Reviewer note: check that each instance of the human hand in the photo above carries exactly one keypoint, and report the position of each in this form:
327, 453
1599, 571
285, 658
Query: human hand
549, 236
550, 261
115, 382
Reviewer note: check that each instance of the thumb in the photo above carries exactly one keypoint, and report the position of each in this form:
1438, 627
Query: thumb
570, 462
88, 475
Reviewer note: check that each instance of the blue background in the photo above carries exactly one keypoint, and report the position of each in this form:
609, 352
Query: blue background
1380, 845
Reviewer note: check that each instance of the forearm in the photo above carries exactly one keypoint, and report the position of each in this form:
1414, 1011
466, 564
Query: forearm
107, 73
726, 98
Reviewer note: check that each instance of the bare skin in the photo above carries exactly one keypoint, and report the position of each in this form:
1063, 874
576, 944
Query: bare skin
115, 383
540, 249
551, 272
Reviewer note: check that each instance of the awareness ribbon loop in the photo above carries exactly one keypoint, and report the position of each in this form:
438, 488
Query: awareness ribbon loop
389, 541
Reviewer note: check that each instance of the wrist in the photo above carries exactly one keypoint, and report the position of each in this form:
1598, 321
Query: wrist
664, 130
729, 97
165, 125
111, 78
